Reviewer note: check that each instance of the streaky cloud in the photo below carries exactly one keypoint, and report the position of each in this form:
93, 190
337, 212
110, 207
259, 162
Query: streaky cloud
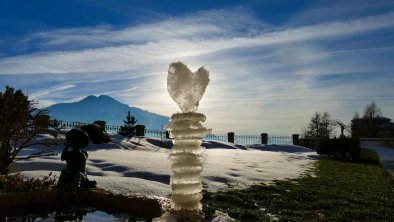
42, 93
278, 75
125, 57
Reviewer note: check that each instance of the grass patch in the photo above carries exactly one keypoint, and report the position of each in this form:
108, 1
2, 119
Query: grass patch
340, 191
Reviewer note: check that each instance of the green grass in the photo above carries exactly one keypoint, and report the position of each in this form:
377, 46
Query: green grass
338, 191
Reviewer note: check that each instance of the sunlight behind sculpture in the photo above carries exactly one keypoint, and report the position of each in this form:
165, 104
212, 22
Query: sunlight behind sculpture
186, 89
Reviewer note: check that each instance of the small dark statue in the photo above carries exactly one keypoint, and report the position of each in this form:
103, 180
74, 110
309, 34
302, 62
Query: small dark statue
74, 176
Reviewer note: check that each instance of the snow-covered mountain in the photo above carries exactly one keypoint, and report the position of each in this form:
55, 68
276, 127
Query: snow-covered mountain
105, 108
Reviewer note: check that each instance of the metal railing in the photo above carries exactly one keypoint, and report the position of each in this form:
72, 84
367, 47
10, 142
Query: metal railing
72, 125
216, 137
247, 139
238, 139
112, 129
155, 133
280, 140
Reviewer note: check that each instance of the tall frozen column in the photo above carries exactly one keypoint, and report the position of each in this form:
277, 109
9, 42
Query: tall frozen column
186, 89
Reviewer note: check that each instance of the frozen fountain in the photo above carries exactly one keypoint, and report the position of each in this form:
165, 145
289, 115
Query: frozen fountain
186, 89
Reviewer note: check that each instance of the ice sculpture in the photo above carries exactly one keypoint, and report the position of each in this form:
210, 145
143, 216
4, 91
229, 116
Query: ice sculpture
186, 89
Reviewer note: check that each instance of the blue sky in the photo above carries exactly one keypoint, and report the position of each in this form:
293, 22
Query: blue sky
272, 64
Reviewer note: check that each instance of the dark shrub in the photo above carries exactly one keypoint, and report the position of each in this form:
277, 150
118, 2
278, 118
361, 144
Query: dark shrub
101, 123
343, 148
77, 138
310, 143
96, 134
16, 183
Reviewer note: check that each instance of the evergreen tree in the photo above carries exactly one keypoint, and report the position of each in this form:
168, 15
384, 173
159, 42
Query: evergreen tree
326, 126
129, 126
313, 128
319, 127
20, 123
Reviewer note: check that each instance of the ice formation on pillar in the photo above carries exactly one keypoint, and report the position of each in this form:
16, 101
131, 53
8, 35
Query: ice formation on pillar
186, 89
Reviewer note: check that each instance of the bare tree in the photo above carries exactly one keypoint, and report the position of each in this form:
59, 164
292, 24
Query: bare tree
20, 123
341, 125
369, 125
372, 111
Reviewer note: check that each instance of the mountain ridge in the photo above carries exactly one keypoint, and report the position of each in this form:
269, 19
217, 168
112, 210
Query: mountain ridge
105, 108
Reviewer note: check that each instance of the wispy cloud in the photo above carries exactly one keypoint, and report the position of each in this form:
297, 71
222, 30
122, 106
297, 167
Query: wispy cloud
171, 40
201, 25
41, 93
279, 76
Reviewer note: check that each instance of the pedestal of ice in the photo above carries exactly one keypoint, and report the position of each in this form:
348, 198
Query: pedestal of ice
186, 131
186, 89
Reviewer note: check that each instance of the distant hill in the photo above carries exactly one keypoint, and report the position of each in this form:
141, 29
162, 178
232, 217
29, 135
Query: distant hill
105, 108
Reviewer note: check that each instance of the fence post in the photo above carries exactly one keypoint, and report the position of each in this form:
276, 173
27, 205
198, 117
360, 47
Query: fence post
140, 130
264, 138
167, 134
230, 137
296, 139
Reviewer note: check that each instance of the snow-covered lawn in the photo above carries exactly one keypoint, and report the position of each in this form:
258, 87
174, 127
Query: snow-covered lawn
127, 167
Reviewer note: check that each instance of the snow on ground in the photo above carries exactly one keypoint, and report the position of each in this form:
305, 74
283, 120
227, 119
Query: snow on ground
384, 153
142, 165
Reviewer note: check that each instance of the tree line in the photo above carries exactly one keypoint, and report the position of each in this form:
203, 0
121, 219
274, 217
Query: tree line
322, 126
